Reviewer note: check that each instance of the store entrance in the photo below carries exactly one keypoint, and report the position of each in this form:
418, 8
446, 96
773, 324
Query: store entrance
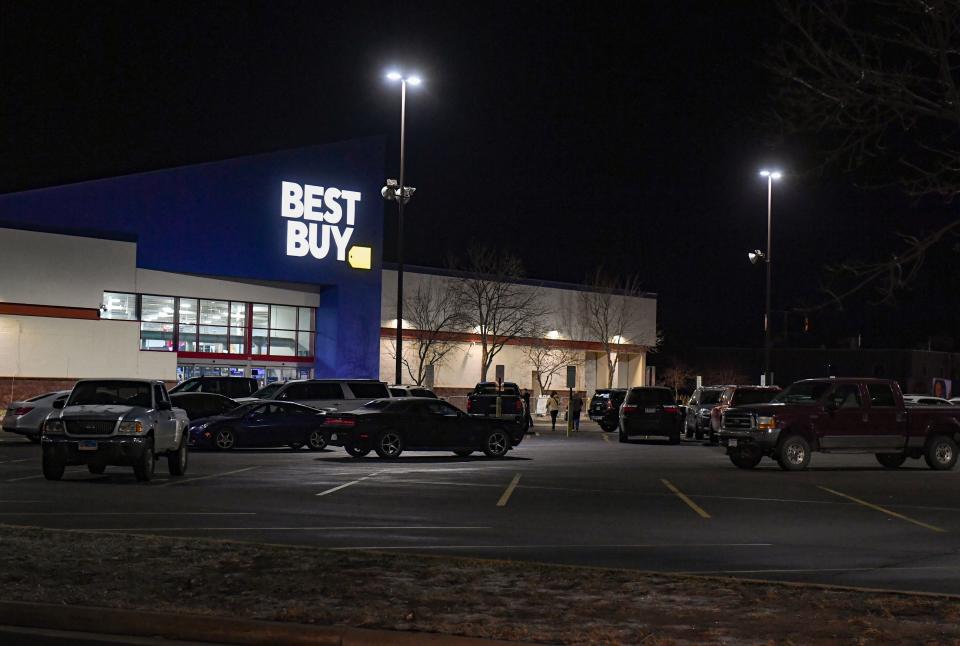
264, 374
271, 374
186, 371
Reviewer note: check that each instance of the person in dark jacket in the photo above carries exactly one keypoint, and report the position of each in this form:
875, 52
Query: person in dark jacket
576, 407
526, 408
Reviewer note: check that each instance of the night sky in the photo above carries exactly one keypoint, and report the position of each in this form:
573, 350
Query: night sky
626, 135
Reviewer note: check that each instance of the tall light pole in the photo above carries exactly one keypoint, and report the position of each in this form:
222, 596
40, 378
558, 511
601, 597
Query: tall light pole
399, 192
771, 175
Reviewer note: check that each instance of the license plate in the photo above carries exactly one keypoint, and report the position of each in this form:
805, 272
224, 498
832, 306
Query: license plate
333, 436
649, 410
732, 441
87, 445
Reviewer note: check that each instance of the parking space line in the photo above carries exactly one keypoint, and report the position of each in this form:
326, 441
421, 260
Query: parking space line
24, 478
532, 546
347, 484
346, 528
606, 438
884, 510
505, 498
682, 496
212, 475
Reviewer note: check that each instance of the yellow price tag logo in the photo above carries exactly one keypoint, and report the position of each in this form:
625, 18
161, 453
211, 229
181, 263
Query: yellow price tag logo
360, 257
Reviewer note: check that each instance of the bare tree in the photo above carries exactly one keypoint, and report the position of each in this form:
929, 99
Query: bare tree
875, 84
725, 374
607, 317
433, 313
548, 360
677, 375
495, 305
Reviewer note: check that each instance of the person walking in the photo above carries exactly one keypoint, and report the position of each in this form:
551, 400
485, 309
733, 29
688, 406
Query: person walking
576, 407
526, 408
553, 407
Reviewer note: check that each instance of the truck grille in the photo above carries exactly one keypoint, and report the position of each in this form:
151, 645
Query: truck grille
90, 427
737, 421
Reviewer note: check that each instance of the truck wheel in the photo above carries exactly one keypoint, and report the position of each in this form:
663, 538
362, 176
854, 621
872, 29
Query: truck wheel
941, 452
891, 460
609, 428
746, 458
316, 441
52, 468
623, 437
497, 444
224, 439
143, 470
357, 451
389, 445
96, 469
794, 454
177, 461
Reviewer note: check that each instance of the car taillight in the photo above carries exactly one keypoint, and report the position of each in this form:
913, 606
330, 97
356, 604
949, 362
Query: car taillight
518, 406
628, 408
469, 405
23, 410
340, 421
670, 409
609, 405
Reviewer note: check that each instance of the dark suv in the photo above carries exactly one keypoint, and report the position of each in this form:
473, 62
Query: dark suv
605, 407
701, 403
231, 387
650, 412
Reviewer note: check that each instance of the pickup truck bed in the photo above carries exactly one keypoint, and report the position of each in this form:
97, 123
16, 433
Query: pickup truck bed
841, 416
482, 402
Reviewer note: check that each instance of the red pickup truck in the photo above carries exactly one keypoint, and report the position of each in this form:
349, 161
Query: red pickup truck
841, 416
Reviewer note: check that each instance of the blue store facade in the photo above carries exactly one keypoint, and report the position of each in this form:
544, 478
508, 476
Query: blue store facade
307, 220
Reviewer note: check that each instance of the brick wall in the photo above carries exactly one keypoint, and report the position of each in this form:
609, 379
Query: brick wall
17, 388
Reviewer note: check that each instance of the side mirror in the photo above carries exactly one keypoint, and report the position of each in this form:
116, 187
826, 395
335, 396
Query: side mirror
164, 406
59, 403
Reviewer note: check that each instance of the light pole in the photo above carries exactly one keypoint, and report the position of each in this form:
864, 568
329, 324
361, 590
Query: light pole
770, 175
397, 191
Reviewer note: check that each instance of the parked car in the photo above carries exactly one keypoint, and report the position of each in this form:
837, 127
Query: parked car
738, 396
261, 424
650, 412
926, 400
198, 405
232, 387
26, 417
325, 394
605, 407
482, 401
391, 426
844, 415
411, 391
697, 413
128, 422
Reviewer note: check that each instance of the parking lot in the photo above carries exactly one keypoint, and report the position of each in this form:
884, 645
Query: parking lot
586, 500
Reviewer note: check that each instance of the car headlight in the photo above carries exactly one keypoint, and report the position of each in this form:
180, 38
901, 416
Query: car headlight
53, 427
130, 428
766, 422
199, 427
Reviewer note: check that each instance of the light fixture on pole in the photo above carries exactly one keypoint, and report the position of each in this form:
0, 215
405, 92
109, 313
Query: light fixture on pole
770, 176
400, 193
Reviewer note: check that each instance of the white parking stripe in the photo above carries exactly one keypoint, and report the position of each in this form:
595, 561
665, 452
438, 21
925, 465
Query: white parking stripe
373, 528
347, 484
24, 478
127, 513
212, 475
550, 546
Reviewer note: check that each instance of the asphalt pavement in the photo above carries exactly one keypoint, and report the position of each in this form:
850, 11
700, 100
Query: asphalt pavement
584, 500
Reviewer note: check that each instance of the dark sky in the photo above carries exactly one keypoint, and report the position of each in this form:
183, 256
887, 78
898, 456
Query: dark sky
626, 135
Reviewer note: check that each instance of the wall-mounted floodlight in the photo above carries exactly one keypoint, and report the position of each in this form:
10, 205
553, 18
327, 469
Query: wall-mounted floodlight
756, 256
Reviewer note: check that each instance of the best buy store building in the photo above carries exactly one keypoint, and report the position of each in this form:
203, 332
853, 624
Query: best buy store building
264, 266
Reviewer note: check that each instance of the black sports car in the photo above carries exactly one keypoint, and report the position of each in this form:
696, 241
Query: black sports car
390, 426
199, 405
261, 424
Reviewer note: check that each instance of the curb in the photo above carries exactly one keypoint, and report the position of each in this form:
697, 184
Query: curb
214, 629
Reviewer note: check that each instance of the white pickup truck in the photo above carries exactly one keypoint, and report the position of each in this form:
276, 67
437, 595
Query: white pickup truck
125, 422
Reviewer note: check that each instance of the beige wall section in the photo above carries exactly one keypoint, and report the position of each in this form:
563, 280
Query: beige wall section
59, 270
164, 283
32, 346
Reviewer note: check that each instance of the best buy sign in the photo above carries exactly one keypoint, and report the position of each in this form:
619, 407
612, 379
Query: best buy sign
320, 220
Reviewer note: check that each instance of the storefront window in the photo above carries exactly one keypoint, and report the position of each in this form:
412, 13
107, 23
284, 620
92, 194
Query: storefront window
156, 327
283, 342
119, 306
157, 308
156, 336
258, 341
261, 315
213, 339
188, 338
188, 311
283, 317
238, 327
304, 344
305, 319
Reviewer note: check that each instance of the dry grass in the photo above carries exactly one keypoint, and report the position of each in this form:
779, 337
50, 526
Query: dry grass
504, 600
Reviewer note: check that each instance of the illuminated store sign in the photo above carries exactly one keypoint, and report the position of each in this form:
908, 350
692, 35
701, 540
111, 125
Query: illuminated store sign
321, 220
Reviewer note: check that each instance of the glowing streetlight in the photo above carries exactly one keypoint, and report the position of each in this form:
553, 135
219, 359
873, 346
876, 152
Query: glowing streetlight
770, 176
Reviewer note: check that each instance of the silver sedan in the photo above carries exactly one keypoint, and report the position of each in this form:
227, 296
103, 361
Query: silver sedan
26, 417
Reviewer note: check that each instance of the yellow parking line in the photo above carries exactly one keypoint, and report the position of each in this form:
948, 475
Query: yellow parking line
884, 510
682, 496
508, 491
606, 438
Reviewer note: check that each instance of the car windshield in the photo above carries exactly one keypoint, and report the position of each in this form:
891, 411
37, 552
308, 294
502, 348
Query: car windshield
268, 391
803, 392
111, 393
747, 397
242, 409
39, 397
188, 386
710, 396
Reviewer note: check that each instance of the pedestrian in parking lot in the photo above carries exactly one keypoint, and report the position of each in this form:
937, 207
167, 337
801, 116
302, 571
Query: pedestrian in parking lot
526, 408
576, 407
553, 407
